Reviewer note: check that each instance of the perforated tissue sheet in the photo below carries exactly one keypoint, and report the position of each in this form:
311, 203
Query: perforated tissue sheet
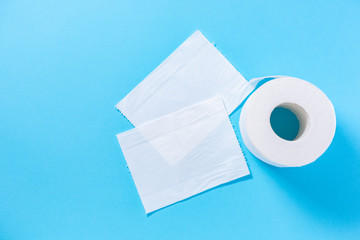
194, 72
183, 142
182, 154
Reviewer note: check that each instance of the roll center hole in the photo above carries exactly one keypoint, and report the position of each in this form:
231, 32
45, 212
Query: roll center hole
288, 121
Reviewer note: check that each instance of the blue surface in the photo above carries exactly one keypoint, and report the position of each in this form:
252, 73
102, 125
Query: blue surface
65, 64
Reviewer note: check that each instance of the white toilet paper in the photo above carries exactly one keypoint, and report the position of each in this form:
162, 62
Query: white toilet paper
194, 72
184, 143
313, 109
182, 154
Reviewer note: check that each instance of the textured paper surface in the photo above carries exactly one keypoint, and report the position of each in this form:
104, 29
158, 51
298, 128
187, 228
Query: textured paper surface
194, 72
182, 154
313, 109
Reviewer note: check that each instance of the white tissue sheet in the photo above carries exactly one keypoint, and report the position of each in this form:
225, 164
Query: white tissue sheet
182, 154
194, 72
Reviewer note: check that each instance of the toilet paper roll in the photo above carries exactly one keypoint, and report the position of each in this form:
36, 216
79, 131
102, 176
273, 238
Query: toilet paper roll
311, 106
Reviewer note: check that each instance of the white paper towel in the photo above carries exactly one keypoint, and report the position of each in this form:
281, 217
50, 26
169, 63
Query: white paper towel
194, 72
313, 109
182, 154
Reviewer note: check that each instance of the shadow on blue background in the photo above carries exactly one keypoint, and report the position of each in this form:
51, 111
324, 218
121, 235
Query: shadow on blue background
245, 178
327, 186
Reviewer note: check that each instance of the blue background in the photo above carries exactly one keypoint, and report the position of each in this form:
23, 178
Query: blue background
65, 64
